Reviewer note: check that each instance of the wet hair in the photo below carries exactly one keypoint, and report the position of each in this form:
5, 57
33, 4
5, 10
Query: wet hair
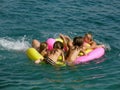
58, 45
43, 45
89, 35
78, 41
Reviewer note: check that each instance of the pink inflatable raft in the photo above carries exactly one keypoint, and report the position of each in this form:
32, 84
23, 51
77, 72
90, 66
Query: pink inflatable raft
94, 54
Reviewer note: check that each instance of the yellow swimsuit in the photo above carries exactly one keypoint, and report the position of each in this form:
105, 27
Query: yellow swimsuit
88, 50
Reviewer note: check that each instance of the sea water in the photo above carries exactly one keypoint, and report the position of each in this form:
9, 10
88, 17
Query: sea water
21, 21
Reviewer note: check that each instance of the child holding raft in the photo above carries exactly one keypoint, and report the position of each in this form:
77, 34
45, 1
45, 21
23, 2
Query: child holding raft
53, 55
43, 51
73, 48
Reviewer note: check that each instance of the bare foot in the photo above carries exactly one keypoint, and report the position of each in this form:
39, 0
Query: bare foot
37, 61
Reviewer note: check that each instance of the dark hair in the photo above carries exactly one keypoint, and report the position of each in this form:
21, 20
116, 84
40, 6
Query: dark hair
58, 45
78, 41
43, 45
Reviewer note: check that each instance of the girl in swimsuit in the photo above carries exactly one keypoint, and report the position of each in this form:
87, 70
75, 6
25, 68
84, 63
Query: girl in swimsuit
54, 54
43, 51
89, 43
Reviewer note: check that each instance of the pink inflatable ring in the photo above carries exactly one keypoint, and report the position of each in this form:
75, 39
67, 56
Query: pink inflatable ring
95, 54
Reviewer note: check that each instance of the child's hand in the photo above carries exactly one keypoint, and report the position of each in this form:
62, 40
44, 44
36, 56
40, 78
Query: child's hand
61, 35
103, 46
37, 61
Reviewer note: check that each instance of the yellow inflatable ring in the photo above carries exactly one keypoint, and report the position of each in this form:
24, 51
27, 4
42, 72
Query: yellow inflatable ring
59, 39
86, 52
33, 54
60, 63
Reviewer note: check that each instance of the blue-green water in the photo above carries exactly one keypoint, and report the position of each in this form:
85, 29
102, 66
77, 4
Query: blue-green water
21, 21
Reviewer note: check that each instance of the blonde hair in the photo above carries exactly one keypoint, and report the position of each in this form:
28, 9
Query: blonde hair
89, 35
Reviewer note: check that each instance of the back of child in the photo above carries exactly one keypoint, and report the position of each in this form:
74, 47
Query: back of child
42, 50
54, 54
74, 50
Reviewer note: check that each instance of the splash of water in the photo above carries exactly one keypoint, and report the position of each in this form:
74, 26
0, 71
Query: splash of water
13, 44
107, 46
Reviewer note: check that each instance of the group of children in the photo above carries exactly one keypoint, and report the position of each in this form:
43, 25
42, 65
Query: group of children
69, 49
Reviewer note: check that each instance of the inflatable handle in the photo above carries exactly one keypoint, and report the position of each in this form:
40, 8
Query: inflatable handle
33, 54
50, 42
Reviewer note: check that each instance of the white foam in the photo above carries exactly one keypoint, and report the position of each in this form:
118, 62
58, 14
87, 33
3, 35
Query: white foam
7, 43
107, 46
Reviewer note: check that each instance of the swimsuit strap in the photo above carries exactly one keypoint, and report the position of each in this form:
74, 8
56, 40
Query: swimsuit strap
50, 61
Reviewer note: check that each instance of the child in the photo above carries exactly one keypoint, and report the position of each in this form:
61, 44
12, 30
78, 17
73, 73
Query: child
42, 51
89, 42
74, 50
54, 54
67, 41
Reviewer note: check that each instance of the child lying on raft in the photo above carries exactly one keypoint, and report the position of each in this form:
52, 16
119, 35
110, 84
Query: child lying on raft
89, 43
43, 51
73, 48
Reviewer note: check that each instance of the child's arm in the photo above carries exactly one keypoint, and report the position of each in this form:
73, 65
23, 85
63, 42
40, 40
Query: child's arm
64, 41
69, 40
63, 56
93, 45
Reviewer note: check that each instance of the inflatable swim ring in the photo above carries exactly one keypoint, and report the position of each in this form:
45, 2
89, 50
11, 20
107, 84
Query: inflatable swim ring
95, 54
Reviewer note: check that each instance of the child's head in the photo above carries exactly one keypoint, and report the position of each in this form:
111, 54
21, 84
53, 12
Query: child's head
58, 45
78, 41
36, 44
88, 37
43, 48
